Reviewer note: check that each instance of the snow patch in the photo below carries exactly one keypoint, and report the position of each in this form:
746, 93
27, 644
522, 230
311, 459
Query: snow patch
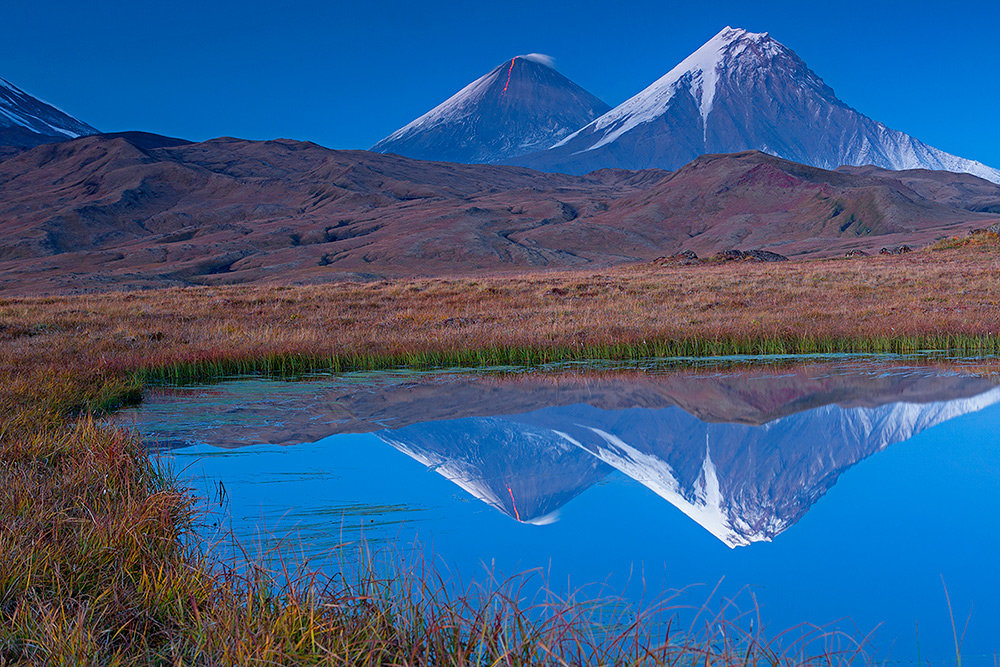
454, 108
457, 472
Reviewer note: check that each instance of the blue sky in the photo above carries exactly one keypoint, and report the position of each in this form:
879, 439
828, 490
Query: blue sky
346, 74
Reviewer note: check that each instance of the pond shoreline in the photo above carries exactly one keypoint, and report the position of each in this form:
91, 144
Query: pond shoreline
93, 567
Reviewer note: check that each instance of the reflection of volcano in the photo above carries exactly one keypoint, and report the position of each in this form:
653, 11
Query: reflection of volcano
743, 454
745, 483
523, 471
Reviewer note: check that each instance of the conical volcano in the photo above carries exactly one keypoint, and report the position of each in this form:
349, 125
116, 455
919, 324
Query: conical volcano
742, 91
521, 106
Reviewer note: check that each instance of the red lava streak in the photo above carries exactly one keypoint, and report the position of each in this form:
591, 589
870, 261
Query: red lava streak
517, 515
509, 70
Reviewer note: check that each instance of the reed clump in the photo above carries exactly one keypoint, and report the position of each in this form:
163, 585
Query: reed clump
97, 564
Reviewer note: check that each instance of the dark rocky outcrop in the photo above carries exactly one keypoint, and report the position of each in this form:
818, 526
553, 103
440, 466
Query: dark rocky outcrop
749, 256
684, 258
896, 250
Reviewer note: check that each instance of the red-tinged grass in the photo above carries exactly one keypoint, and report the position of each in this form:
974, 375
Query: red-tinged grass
94, 567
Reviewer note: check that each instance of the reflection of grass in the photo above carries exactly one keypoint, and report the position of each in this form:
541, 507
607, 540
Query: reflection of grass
93, 566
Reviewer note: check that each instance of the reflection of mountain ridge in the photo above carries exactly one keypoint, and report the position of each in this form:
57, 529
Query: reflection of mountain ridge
244, 412
744, 454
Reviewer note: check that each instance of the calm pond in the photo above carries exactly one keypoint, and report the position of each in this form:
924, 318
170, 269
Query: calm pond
846, 493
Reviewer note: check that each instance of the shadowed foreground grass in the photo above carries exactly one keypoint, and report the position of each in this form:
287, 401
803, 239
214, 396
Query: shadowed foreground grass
93, 567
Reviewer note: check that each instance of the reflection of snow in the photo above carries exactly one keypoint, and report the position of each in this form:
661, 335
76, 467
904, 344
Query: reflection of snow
868, 429
526, 473
896, 422
658, 476
460, 473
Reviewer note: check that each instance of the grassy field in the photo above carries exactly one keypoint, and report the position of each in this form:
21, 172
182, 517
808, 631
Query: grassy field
92, 567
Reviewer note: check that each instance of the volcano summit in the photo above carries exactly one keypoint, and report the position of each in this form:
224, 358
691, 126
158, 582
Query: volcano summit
521, 106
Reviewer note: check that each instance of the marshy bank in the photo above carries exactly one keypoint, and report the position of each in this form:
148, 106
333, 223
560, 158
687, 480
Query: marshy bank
92, 567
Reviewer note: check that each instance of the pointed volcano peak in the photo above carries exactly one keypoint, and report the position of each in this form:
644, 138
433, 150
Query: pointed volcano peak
522, 71
729, 34
734, 42
732, 49
729, 46
520, 106
736, 51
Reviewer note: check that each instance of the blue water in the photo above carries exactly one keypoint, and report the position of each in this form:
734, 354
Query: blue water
845, 495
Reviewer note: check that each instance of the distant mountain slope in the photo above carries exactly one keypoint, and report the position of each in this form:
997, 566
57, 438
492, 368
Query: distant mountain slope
26, 121
742, 91
754, 200
962, 190
137, 210
522, 105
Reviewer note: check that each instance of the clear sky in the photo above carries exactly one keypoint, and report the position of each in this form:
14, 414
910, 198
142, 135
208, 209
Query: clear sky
346, 74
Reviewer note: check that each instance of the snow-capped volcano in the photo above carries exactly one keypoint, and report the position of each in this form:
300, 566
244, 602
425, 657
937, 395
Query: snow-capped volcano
27, 121
742, 91
521, 106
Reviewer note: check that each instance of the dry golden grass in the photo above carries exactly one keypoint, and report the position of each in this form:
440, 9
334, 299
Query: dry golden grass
91, 566
921, 295
979, 239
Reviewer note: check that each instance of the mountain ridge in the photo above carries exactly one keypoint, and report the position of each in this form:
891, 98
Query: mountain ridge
137, 210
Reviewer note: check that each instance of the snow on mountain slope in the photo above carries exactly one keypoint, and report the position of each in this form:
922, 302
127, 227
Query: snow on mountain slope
742, 91
27, 121
699, 72
521, 106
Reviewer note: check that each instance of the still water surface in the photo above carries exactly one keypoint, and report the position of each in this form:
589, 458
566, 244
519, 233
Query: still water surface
842, 493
